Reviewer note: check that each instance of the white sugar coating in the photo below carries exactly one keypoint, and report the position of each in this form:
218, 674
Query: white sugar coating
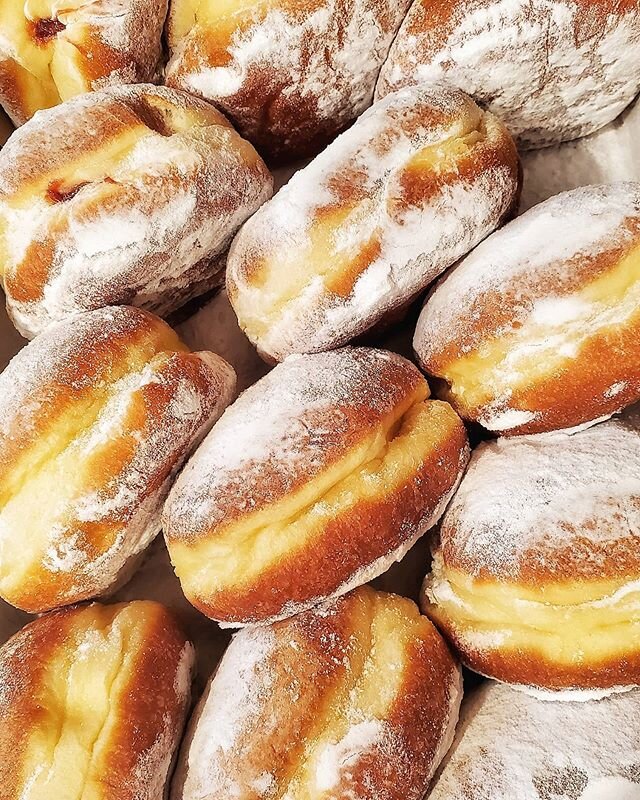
612, 154
238, 688
553, 70
322, 63
530, 498
286, 422
418, 239
510, 745
179, 199
124, 500
337, 758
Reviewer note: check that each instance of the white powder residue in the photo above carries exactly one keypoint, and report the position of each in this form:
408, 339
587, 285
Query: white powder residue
553, 70
152, 231
510, 745
526, 499
414, 239
315, 68
338, 758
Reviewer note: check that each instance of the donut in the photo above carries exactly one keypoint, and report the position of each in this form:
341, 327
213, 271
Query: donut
552, 70
538, 330
290, 75
93, 700
609, 155
536, 580
313, 482
98, 413
358, 700
127, 196
50, 52
419, 180
512, 746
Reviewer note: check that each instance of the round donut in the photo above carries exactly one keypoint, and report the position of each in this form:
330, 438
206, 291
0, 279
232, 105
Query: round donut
298, 709
51, 51
93, 701
512, 746
291, 75
536, 580
538, 329
419, 180
127, 196
314, 481
553, 70
98, 413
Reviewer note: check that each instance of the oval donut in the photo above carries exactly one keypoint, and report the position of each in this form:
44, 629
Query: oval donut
553, 70
314, 481
419, 180
92, 703
512, 746
98, 414
538, 328
126, 196
297, 709
536, 580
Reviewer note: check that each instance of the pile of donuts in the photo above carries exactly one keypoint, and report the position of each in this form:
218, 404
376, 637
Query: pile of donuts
138, 184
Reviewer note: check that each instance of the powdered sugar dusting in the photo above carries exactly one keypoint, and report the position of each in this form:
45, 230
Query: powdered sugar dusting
551, 69
510, 745
524, 500
153, 233
286, 425
416, 237
315, 71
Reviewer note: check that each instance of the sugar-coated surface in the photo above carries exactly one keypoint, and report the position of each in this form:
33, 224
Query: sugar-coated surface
553, 70
510, 745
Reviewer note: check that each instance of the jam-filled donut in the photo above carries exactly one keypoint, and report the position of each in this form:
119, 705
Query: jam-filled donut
552, 70
130, 195
358, 699
510, 745
419, 180
314, 481
536, 579
291, 75
92, 703
51, 51
98, 413
538, 329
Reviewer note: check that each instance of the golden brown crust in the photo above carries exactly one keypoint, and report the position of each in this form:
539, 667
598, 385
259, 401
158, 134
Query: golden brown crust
99, 414
526, 325
51, 54
415, 184
130, 195
524, 61
307, 713
345, 463
143, 673
291, 76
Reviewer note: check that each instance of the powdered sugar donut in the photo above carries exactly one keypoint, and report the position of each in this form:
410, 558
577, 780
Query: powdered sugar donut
553, 70
537, 577
314, 481
51, 51
98, 413
611, 154
92, 703
296, 709
538, 329
130, 195
512, 746
419, 180
291, 75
